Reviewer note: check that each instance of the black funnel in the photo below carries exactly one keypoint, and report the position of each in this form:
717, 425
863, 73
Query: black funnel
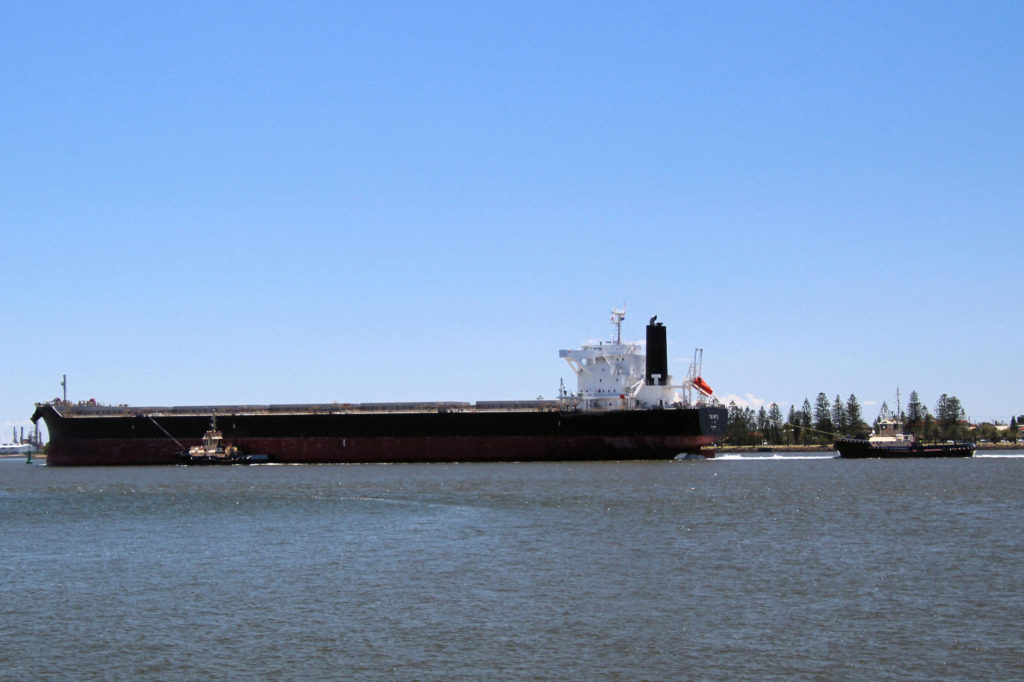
657, 354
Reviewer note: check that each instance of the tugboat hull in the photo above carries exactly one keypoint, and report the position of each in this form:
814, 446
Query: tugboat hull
857, 448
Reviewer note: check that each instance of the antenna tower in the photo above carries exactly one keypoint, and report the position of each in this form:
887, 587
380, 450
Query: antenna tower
618, 315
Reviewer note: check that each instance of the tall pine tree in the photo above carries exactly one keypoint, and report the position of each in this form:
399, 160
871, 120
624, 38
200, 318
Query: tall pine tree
840, 420
805, 421
774, 424
854, 416
915, 412
949, 414
793, 432
822, 415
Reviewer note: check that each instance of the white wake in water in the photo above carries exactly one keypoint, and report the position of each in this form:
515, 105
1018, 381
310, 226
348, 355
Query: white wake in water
781, 456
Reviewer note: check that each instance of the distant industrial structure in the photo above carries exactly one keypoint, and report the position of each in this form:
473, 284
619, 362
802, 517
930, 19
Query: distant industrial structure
22, 444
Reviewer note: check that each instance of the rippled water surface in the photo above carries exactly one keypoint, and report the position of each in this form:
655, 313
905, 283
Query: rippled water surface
745, 567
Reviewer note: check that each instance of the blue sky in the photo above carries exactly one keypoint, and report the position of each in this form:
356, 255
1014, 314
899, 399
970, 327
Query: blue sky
300, 202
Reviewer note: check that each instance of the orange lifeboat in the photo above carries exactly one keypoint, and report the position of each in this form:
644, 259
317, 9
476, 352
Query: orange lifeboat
702, 386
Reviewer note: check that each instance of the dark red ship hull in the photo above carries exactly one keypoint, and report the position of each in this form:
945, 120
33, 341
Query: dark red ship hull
320, 435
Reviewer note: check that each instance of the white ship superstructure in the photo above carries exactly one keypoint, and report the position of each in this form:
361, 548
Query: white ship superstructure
612, 375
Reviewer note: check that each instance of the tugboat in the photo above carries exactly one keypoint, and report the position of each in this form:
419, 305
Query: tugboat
891, 442
213, 450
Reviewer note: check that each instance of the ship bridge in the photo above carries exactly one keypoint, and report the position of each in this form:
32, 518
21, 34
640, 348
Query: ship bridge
615, 375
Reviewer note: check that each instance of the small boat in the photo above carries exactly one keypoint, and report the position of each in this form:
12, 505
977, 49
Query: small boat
213, 451
702, 386
890, 442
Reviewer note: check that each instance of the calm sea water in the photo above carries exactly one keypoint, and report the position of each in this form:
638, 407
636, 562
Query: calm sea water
756, 568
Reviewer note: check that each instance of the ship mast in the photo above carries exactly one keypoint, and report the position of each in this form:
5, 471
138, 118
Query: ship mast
618, 315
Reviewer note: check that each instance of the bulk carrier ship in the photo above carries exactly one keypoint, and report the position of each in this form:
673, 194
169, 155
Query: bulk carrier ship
625, 407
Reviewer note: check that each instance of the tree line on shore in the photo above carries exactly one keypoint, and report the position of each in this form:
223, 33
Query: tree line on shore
825, 420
